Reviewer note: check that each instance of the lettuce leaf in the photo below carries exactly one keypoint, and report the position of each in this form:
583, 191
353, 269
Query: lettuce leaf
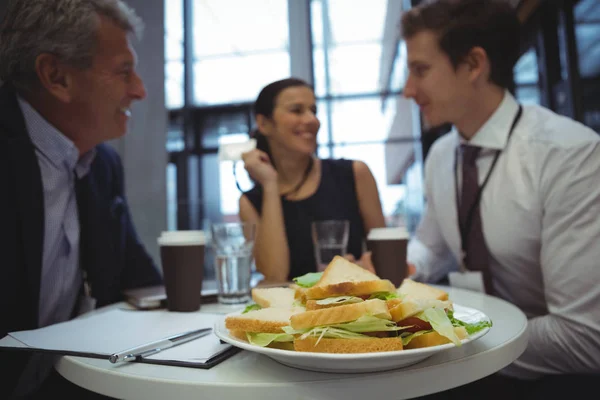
366, 323
470, 327
265, 339
440, 323
408, 336
251, 307
308, 280
339, 300
383, 296
369, 323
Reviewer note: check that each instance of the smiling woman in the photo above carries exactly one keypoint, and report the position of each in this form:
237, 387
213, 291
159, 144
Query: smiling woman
293, 187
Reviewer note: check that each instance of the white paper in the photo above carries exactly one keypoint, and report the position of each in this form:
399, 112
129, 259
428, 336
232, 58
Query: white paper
470, 280
233, 151
116, 330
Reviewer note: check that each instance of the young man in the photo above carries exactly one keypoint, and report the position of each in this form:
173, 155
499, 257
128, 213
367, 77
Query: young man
513, 192
69, 79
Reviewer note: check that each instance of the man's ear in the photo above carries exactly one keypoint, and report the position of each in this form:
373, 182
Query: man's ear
478, 64
54, 76
264, 124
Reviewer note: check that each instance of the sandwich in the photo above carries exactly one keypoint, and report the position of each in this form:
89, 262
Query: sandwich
347, 309
427, 317
360, 327
418, 290
277, 297
262, 321
344, 282
421, 315
280, 297
263, 327
302, 283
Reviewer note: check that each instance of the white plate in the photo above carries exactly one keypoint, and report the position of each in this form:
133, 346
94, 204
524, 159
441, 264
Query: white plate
354, 363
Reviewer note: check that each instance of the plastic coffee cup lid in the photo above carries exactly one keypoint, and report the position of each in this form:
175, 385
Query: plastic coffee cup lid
181, 238
389, 233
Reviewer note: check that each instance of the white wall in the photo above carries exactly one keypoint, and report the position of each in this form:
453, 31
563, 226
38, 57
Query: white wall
143, 147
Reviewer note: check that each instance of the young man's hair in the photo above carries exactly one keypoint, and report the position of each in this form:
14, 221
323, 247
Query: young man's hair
462, 25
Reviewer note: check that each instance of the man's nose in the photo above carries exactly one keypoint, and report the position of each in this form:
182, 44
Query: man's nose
137, 88
409, 90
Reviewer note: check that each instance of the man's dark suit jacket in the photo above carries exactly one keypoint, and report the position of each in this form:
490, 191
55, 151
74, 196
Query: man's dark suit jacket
111, 252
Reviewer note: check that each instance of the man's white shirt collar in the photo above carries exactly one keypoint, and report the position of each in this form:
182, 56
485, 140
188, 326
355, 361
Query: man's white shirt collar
494, 132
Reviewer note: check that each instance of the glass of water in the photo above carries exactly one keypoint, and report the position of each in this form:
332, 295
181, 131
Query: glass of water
330, 238
233, 243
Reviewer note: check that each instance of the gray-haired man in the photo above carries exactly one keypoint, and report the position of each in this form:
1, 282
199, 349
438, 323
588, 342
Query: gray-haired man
69, 79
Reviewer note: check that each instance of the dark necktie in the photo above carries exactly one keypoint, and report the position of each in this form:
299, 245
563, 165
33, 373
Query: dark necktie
477, 257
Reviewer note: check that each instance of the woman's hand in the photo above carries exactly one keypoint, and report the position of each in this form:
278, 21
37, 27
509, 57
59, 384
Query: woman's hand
259, 167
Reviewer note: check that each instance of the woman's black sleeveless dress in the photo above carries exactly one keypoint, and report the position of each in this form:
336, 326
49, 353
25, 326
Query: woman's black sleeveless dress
335, 198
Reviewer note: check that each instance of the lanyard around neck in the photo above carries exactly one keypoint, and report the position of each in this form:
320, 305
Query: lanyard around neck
466, 228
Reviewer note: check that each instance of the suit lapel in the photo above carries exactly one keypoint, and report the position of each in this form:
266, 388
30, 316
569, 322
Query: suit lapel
27, 189
94, 224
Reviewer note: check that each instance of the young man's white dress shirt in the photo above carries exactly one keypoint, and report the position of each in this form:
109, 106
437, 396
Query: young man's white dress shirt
541, 221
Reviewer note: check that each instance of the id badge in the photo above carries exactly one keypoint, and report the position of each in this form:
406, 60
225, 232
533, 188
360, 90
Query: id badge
470, 280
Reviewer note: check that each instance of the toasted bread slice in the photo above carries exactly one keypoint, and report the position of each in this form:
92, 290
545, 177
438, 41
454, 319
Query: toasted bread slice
366, 345
400, 310
299, 292
265, 320
339, 314
418, 290
435, 339
241, 335
343, 278
281, 297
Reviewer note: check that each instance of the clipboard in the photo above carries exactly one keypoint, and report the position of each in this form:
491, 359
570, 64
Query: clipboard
102, 333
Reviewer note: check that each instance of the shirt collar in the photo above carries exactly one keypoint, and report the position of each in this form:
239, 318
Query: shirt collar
56, 147
494, 132
85, 163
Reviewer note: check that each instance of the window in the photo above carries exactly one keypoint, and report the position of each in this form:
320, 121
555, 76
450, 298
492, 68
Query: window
239, 46
235, 54
359, 119
526, 78
174, 65
587, 34
347, 45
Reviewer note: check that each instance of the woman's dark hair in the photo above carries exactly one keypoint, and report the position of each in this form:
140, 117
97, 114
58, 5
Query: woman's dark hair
463, 24
265, 104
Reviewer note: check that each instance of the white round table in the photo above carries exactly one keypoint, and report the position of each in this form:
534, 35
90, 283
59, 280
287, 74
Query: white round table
249, 375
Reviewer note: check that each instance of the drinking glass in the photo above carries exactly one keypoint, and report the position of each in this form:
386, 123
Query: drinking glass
330, 238
233, 243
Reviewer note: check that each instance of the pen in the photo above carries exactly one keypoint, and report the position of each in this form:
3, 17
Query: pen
157, 346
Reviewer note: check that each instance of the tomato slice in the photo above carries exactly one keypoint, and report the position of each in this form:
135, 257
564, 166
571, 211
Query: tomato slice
417, 324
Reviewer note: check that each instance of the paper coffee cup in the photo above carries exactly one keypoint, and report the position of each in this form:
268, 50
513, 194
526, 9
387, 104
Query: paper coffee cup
182, 257
388, 248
